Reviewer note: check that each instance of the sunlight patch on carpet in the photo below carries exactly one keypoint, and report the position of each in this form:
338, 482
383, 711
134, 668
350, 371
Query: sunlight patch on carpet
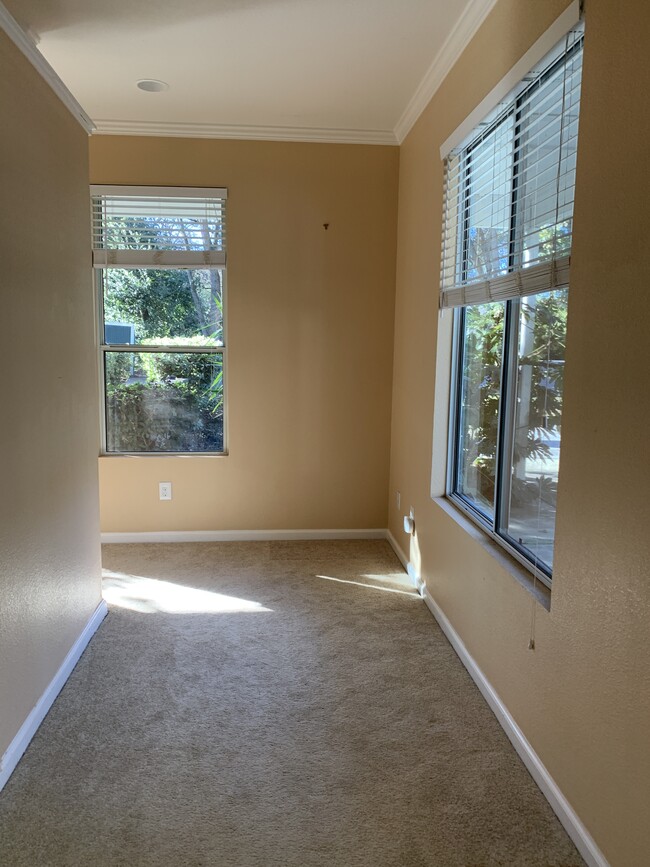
369, 586
151, 596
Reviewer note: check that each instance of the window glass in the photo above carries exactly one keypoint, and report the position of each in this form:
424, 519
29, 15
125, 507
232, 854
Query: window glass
546, 162
479, 403
507, 237
488, 204
158, 223
164, 402
530, 521
160, 258
147, 305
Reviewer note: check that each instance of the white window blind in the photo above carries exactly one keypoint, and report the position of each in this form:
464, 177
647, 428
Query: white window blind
147, 227
509, 189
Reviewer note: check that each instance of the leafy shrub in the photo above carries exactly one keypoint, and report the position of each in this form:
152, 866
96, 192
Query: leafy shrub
119, 366
172, 402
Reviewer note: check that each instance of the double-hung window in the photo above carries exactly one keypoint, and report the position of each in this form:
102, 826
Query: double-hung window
159, 257
508, 224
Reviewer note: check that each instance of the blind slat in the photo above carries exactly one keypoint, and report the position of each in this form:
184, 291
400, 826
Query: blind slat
508, 192
103, 258
541, 277
139, 227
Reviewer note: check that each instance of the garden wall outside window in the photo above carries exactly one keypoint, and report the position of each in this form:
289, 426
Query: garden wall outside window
508, 225
160, 258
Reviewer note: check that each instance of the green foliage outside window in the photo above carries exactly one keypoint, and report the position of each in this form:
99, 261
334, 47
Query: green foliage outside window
542, 337
545, 316
158, 401
164, 401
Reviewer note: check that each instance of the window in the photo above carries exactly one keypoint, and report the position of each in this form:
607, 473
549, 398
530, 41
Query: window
160, 258
508, 222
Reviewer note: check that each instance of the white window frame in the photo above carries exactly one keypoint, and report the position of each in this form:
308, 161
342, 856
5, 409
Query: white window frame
142, 259
504, 440
471, 129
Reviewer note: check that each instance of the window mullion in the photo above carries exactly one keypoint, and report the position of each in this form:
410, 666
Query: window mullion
455, 408
508, 407
459, 319
98, 279
510, 339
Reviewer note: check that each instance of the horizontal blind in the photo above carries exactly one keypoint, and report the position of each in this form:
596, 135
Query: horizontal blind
509, 190
140, 227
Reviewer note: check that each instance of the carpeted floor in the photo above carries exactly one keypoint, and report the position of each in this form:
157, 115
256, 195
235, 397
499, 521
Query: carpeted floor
298, 707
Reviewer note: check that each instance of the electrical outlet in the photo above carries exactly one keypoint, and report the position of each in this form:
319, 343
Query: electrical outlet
165, 490
398, 499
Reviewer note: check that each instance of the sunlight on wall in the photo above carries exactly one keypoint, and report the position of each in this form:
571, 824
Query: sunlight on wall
415, 558
148, 596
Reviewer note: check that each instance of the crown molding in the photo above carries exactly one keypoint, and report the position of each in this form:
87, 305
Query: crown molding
469, 22
255, 133
464, 29
27, 45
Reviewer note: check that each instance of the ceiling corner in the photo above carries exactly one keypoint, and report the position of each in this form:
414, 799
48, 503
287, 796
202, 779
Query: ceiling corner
469, 22
25, 43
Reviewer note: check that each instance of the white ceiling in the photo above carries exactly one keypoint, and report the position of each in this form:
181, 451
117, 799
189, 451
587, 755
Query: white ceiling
346, 70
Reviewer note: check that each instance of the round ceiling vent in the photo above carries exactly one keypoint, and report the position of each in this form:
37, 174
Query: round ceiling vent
152, 85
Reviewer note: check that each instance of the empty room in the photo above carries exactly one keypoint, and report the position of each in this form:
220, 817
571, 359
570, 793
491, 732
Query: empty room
325, 531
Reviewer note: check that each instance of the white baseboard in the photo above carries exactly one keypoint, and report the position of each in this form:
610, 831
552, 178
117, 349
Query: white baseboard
238, 535
28, 729
416, 580
392, 541
582, 839
418, 583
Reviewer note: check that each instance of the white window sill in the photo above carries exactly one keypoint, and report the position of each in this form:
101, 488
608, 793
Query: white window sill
203, 455
510, 565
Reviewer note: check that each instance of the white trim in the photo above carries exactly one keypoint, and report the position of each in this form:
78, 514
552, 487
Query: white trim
582, 839
469, 22
29, 728
539, 277
160, 259
411, 571
401, 556
139, 192
416, 580
26, 44
167, 536
231, 131
546, 42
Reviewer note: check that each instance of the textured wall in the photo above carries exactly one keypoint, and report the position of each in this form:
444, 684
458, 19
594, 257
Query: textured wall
309, 335
583, 696
49, 527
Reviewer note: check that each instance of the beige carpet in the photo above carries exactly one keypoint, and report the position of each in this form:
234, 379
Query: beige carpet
298, 707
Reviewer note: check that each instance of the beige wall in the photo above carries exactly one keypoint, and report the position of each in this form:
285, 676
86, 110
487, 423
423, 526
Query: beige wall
309, 334
49, 527
310, 352
583, 696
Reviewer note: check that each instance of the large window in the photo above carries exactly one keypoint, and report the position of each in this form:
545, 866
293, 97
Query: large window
506, 269
159, 256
